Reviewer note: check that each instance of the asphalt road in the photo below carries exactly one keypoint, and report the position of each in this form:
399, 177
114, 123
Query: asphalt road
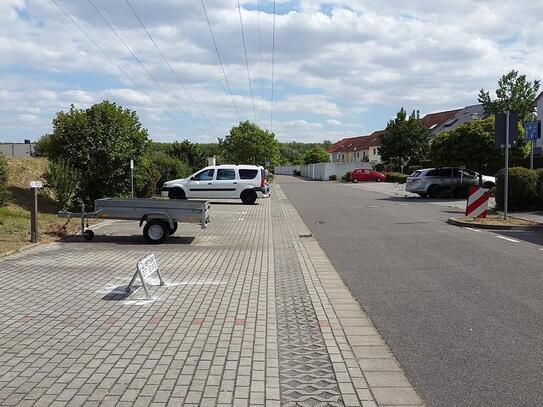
461, 309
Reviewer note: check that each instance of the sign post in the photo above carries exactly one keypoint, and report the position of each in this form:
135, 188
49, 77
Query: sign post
532, 132
506, 181
145, 268
132, 179
506, 134
34, 186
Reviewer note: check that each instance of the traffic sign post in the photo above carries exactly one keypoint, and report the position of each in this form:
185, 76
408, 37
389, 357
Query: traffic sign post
34, 186
532, 132
506, 134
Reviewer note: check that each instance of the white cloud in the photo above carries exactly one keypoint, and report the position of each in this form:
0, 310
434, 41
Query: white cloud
359, 60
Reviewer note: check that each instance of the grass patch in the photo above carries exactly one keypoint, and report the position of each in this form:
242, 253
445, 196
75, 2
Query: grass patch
15, 216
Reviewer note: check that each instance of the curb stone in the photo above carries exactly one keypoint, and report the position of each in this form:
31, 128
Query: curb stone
458, 222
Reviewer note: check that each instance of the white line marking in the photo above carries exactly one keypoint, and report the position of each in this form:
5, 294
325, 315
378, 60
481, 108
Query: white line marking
473, 230
508, 239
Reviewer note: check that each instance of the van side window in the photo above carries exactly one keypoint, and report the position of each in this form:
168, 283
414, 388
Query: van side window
247, 174
205, 175
226, 174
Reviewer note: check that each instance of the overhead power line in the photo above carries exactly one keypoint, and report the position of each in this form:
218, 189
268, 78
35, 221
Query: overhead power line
272, 68
260, 50
170, 66
74, 22
246, 60
220, 60
143, 65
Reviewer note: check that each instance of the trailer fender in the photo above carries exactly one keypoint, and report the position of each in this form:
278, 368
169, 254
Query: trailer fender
159, 215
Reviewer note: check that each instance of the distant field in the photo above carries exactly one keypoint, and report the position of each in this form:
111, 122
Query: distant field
15, 216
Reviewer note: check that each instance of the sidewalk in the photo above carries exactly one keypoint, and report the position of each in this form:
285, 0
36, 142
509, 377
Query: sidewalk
253, 314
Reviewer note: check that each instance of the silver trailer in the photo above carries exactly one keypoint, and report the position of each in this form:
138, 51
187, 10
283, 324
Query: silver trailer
160, 216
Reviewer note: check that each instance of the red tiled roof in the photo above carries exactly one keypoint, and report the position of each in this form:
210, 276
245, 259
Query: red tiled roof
357, 143
434, 120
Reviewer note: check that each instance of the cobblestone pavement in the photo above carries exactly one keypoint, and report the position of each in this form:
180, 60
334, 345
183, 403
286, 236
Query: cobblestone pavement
253, 313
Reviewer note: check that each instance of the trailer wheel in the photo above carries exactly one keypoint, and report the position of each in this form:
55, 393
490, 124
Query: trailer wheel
88, 235
172, 231
156, 231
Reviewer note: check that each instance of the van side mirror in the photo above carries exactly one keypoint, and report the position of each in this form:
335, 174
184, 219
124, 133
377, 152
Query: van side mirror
192, 178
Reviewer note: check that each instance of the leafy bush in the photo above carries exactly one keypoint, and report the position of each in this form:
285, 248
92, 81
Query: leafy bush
316, 155
347, 176
170, 168
332, 177
412, 168
523, 186
539, 188
379, 167
63, 179
146, 178
396, 177
3, 180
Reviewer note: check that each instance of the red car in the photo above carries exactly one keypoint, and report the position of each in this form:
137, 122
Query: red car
363, 174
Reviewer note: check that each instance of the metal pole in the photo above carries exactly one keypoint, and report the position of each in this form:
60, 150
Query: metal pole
34, 216
532, 155
132, 179
506, 180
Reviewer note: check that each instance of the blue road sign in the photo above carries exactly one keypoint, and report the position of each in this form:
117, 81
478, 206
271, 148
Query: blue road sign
532, 130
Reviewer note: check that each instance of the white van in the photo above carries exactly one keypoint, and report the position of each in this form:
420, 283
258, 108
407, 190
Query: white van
245, 182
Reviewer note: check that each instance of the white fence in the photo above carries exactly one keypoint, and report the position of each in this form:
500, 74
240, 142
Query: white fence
16, 150
320, 171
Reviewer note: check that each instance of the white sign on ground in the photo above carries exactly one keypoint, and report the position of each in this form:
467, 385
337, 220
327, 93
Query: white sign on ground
36, 184
146, 267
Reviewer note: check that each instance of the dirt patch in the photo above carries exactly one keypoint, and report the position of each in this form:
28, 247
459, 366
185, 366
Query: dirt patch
498, 220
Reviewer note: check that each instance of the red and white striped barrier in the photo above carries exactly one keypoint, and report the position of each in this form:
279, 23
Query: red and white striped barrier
477, 206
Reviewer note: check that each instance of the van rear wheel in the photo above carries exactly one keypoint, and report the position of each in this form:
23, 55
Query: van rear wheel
248, 197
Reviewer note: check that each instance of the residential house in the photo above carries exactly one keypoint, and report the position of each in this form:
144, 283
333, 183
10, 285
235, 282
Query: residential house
444, 121
356, 149
365, 148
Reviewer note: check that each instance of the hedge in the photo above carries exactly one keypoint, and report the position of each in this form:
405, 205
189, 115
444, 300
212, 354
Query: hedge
396, 177
523, 188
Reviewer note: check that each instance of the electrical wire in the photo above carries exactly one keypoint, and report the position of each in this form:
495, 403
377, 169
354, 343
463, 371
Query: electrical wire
220, 60
260, 50
170, 66
272, 69
143, 66
74, 22
246, 60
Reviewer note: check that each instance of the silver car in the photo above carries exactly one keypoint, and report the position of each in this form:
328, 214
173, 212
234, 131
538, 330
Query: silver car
431, 181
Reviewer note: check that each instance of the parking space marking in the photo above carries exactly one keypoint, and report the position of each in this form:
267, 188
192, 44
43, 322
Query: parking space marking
472, 229
508, 239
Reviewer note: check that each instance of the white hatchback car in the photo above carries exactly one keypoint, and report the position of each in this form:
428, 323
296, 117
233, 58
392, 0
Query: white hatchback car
245, 182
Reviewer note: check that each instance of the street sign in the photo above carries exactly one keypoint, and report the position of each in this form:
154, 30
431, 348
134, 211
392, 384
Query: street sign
501, 128
532, 130
146, 267
36, 184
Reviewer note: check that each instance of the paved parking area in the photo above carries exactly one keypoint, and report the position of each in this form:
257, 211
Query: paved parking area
253, 313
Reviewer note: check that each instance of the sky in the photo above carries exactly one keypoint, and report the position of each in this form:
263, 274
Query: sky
341, 68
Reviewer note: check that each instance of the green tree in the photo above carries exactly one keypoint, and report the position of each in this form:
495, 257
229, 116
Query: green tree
316, 155
405, 140
249, 144
190, 153
99, 142
470, 144
169, 167
3, 179
63, 179
514, 93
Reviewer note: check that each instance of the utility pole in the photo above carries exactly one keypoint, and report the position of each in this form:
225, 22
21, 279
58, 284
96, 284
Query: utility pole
506, 180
